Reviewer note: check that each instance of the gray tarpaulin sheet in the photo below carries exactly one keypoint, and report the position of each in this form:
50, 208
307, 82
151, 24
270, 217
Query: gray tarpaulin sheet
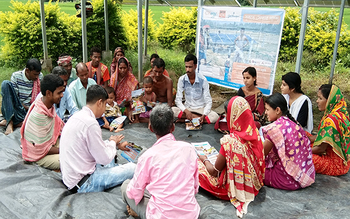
29, 191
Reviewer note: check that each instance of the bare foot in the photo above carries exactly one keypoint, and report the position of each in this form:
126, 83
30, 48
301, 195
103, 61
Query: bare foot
3, 122
131, 212
9, 128
111, 129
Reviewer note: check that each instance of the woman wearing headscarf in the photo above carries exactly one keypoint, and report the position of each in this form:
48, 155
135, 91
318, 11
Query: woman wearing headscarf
238, 172
118, 53
330, 149
123, 81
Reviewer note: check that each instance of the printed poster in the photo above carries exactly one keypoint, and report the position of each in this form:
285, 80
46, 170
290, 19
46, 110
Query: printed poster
233, 38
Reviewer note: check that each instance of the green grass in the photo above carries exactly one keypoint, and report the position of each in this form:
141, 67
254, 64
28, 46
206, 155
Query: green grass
6, 4
346, 15
68, 7
157, 11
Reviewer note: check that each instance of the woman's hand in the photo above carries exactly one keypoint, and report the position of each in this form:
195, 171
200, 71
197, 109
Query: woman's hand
202, 157
268, 145
312, 138
320, 149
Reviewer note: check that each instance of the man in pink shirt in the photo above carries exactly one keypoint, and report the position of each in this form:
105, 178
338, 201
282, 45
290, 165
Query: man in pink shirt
83, 152
166, 177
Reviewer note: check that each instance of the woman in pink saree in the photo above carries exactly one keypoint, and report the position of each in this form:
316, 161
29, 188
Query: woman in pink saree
287, 150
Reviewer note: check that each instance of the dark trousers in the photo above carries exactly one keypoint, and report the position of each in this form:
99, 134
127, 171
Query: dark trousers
11, 107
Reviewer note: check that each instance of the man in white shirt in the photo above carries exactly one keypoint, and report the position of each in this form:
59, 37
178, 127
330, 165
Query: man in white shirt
82, 149
197, 95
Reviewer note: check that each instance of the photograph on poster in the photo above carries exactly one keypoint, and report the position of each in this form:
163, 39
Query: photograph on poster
232, 38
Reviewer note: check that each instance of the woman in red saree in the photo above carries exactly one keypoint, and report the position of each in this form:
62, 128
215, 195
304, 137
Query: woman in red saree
253, 95
331, 154
123, 81
239, 169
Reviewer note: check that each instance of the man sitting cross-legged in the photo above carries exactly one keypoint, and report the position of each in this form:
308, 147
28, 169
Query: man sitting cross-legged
163, 85
166, 176
19, 93
42, 127
82, 150
197, 94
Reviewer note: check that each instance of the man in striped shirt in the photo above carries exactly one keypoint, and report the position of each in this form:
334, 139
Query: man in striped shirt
19, 93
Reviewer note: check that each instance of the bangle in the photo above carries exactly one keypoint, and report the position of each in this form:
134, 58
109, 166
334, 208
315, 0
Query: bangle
206, 160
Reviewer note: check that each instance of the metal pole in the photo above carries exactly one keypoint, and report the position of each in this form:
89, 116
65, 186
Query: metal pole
84, 30
302, 35
146, 29
106, 24
139, 27
337, 40
255, 3
43, 29
200, 3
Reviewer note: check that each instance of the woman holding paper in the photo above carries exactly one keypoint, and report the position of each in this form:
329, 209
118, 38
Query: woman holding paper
238, 172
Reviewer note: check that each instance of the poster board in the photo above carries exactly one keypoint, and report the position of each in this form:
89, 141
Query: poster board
233, 38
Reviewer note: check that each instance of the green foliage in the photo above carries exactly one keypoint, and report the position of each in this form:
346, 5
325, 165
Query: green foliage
96, 26
319, 38
290, 35
22, 33
130, 24
178, 29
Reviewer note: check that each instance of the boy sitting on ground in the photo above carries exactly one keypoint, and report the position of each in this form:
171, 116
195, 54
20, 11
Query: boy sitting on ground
111, 113
149, 99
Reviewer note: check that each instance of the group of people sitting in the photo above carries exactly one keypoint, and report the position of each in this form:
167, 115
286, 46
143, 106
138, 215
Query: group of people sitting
163, 183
